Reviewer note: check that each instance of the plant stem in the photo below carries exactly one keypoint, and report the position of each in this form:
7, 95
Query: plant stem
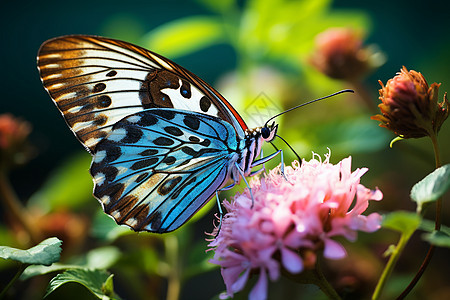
315, 277
19, 272
390, 265
16, 209
437, 226
174, 280
324, 285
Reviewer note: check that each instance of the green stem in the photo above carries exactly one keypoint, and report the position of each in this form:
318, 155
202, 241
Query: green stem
315, 277
174, 280
11, 282
16, 209
437, 226
390, 265
324, 285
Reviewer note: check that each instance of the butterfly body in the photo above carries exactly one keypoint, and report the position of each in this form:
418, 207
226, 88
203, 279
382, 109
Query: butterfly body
163, 141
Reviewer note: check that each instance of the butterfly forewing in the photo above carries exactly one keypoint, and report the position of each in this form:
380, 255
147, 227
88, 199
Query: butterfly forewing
95, 82
156, 168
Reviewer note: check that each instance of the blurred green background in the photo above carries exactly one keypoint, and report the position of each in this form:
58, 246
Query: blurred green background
416, 35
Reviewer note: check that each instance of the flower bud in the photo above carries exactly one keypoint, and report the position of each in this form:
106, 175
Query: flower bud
13, 140
410, 107
339, 54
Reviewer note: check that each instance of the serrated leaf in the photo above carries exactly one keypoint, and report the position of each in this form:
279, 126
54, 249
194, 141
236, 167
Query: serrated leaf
45, 253
93, 280
437, 238
184, 36
432, 187
402, 221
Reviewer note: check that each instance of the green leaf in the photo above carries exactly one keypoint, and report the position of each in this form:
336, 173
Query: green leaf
106, 229
437, 238
70, 186
93, 280
108, 286
432, 187
45, 253
184, 36
99, 258
402, 221
429, 226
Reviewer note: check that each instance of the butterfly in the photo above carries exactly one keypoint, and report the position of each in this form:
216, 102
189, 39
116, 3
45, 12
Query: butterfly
163, 142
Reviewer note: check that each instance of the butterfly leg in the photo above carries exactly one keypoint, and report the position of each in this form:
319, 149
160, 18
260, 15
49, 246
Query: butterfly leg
226, 188
267, 158
246, 182
253, 173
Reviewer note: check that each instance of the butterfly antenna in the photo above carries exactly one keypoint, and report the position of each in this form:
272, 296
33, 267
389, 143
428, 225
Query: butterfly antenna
290, 147
309, 102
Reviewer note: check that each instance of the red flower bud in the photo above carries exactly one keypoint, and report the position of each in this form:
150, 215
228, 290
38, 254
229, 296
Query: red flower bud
339, 54
410, 107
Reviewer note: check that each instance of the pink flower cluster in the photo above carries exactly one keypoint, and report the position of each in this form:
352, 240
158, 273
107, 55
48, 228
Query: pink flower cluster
290, 218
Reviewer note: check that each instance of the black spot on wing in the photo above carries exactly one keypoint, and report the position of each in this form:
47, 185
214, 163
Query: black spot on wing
145, 163
147, 119
149, 152
205, 142
104, 101
110, 173
173, 130
163, 141
191, 122
111, 73
141, 177
205, 104
99, 87
113, 152
100, 120
194, 139
168, 185
133, 135
185, 90
183, 186
164, 113
169, 160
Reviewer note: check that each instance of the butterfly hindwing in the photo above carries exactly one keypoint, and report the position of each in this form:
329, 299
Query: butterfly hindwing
95, 82
156, 168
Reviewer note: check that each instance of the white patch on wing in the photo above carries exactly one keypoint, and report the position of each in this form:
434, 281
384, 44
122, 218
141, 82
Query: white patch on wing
133, 119
105, 199
53, 76
192, 103
99, 156
131, 222
81, 125
99, 178
117, 134
74, 109
92, 141
121, 170
115, 214
66, 96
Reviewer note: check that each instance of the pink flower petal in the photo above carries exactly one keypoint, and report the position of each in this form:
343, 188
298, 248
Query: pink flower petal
259, 291
333, 250
291, 261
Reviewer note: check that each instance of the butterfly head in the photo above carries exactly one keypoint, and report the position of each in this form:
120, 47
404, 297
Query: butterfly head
268, 132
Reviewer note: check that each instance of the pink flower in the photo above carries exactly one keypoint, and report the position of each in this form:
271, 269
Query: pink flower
289, 219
